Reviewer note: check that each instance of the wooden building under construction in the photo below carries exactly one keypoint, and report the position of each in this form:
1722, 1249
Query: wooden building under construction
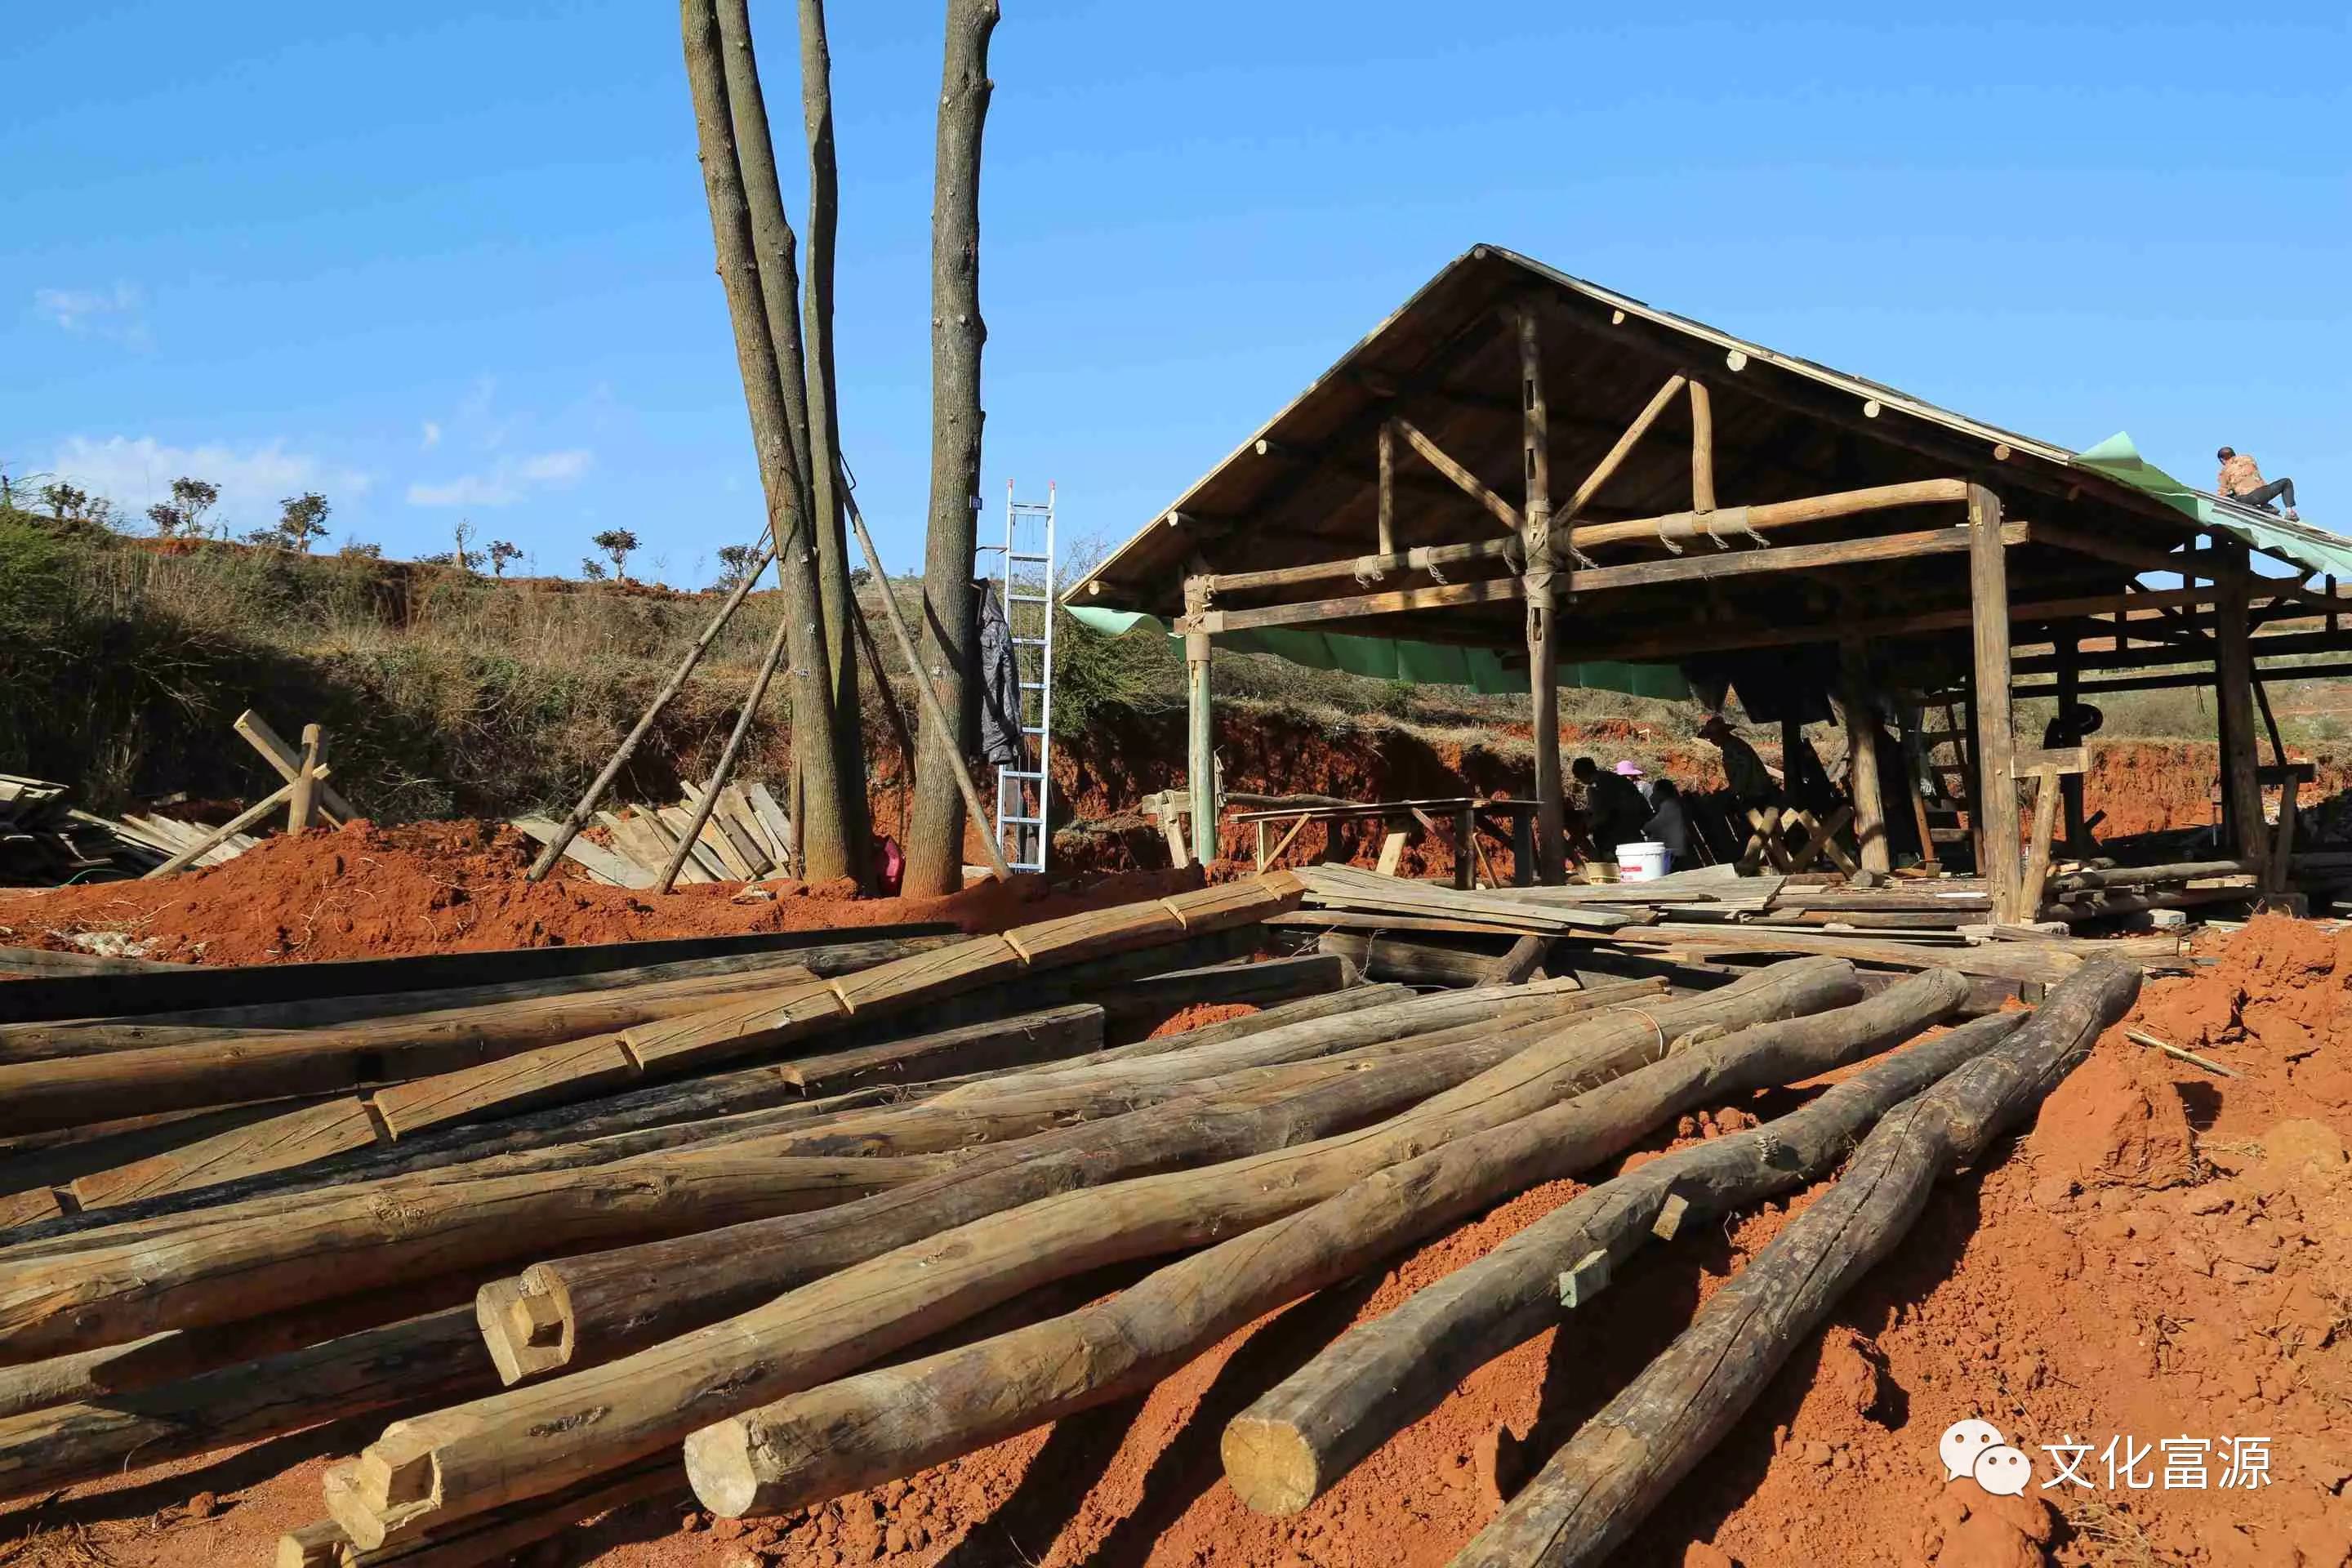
1526, 470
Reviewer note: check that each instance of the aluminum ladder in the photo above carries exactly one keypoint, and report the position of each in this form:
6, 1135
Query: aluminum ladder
1027, 560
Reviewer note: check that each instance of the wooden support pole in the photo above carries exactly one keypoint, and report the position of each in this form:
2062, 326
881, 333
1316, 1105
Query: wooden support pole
1861, 758
2068, 655
301, 804
1591, 1494
2233, 669
1996, 742
935, 713
1201, 748
1471, 485
1543, 614
2037, 848
1615, 458
585, 811
1702, 449
1387, 525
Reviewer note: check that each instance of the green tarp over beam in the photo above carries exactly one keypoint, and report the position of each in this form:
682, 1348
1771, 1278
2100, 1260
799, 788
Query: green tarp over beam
2313, 549
1396, 659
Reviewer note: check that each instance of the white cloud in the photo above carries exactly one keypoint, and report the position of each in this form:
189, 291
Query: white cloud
432, 435
506, 482
119, 313
131, 473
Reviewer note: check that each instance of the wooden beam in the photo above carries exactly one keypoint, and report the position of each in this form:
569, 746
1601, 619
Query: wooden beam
1470, 484
2070, 786
1784, 558
1996, 742
1615, 458
229, 829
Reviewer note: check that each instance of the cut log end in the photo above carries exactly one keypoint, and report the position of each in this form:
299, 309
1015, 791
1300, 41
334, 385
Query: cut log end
726, 1478
524, 1329
319, 1545
1271, 1468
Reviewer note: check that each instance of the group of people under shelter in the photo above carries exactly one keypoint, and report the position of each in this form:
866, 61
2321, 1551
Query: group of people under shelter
1623, 804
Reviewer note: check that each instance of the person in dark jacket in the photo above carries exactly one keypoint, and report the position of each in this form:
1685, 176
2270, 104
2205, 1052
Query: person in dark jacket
1613, 809
1667, 825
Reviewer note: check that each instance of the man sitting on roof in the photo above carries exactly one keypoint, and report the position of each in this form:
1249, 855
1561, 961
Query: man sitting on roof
2241, 482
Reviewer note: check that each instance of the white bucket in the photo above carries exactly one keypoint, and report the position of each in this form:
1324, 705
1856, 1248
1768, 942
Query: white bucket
1640, 862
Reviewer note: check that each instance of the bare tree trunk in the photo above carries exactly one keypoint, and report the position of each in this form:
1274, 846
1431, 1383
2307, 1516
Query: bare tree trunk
832, 553
935, 838
826, 848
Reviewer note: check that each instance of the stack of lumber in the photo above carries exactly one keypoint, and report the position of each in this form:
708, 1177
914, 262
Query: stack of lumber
746, 838
1707, 919
782, 1222
45, 841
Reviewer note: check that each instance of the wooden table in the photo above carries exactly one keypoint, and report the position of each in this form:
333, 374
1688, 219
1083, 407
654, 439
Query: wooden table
1402, 819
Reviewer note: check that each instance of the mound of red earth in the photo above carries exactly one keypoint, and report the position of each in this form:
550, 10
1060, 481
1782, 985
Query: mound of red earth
364, 891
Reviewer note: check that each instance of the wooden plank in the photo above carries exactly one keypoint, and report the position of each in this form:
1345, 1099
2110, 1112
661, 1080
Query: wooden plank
773, 820
735, 808
673, 822
1392, 851
740, 847
605, 866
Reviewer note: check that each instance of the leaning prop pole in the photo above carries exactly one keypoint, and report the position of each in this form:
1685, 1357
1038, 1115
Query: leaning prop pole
935, 713
726, 768
570, 827
1599, 1487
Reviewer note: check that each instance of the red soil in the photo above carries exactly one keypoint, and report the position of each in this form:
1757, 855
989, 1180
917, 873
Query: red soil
2163, 1254
364, 891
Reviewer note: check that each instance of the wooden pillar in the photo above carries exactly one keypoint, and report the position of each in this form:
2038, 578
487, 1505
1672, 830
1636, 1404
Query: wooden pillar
1200, 748
2233, 670
1996, 743
2069, 785
1792, 744
1861, 758
1388, 488
1702, 449
1543, 629
303, 801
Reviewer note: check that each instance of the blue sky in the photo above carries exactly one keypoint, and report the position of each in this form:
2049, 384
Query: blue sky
445, 261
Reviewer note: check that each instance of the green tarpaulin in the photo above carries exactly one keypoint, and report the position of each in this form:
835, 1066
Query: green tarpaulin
2313, 549
1396, 659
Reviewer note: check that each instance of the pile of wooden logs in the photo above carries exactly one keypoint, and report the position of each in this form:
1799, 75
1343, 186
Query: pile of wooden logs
746, 837
780, 1218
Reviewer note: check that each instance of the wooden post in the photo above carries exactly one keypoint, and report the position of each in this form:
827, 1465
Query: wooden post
301, 801
1996, 743
1702, 449
1861, 760
1200, 748
286, 760
2233, 669
1543, 629
1388, 489
2071, 784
